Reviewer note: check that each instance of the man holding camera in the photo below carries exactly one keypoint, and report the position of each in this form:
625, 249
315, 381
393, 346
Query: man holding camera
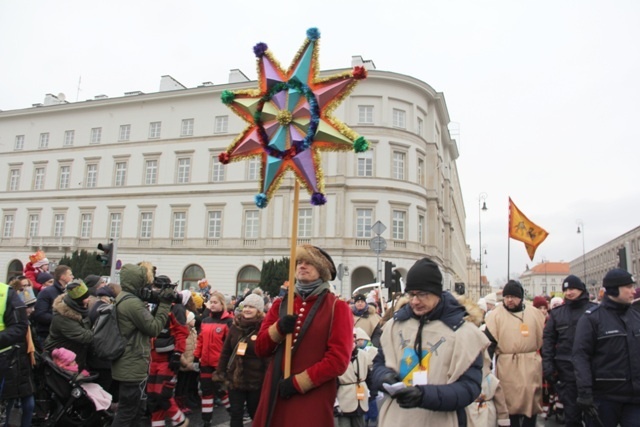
137, 325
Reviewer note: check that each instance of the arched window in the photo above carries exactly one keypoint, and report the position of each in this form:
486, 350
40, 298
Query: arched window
191, 275
248, 277
15, 269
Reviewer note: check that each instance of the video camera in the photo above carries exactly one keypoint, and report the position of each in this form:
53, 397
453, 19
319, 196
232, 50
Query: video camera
152, 293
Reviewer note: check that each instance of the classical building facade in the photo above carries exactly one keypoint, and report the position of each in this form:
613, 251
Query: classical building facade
544, 279
143, 169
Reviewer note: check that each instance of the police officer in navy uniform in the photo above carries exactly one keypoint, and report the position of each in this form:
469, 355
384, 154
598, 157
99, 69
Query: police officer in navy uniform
558, 338
605, 353
13, 326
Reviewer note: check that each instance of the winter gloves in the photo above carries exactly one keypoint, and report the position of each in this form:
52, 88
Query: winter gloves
409, 397
286, 388
287, 324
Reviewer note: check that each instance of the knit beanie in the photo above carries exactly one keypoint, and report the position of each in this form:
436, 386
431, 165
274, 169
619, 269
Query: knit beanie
540, 301
43, 277
77, 290
255, 301
197, 299
573, 282
424, 276
359, 297
514, 289
319, 259
615, 278
185, 294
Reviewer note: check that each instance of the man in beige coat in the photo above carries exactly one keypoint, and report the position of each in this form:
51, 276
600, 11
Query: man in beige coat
515, 331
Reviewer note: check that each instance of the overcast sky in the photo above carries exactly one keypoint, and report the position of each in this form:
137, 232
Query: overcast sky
545, 94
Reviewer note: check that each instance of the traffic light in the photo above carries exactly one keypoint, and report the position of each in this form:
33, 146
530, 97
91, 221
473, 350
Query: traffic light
107, 254
395, 281
622, 258
388, 273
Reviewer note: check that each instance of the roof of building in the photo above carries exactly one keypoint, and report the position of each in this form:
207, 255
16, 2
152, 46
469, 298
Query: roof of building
551, 268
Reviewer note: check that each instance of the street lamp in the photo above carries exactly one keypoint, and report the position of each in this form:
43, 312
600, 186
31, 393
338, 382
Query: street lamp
584, 260
482, 206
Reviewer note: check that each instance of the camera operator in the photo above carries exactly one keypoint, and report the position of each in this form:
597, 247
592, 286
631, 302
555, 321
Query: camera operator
166, 350
138, 325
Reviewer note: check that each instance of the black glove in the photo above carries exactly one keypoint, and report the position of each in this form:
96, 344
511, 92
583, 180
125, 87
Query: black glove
174, 362
584, 402
286, 389
390, 378
287, 324
409, 397
167, 295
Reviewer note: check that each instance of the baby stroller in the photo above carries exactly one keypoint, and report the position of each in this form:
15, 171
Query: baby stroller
61, 401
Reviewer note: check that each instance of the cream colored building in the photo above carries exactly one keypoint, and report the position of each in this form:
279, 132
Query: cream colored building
142, 169
544, 279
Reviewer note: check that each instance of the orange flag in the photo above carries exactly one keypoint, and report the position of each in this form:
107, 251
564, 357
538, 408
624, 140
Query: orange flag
522, 229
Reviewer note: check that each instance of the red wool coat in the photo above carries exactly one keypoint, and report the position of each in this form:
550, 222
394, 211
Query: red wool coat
322, 355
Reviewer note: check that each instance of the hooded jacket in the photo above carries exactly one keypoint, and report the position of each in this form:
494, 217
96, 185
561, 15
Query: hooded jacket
69, 329
138, 323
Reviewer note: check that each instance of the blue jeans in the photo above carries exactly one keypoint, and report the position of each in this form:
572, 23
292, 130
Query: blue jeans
613, 414
28, 404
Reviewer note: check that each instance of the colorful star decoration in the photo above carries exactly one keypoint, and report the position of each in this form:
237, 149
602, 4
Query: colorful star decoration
290, 120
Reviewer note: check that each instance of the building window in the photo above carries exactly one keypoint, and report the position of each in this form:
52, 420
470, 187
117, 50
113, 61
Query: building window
7, 228
214, 225
92, 176
398, 165
399, 118
221, 124
253, 169
121, 174
65, 177
115, 225
420, 127
34, 225
251, 224
364, 221
421, 172
179, 224
86, 221
187, 127
398, 225
184, 170
217, 170
14, 179
154, 129
44, 140
19, 144
420, 228
38, 178
125, 133
96, 135
151, 172
146, 224
365, 163
365, 114
58, 225
69, 136
305, 223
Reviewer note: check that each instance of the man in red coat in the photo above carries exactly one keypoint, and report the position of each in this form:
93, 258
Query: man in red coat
322, 328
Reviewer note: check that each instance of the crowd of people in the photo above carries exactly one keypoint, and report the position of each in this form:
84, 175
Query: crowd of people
429, 357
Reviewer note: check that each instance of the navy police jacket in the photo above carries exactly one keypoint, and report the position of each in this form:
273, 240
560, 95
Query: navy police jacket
605, 353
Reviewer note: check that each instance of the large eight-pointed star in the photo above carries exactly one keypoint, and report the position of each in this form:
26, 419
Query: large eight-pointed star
290, 120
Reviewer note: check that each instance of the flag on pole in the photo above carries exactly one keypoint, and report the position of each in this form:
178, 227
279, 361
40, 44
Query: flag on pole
524, 230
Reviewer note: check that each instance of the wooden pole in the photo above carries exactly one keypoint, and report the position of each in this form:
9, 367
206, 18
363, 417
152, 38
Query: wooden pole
292, 276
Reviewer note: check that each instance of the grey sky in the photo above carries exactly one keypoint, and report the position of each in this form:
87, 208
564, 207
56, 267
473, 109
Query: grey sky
545, 93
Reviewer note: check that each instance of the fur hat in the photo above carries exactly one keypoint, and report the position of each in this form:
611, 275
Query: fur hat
514, 289
359, 297
540, 301
573, 282
319, 259
424, 276
254, 300
44, 277
77, 290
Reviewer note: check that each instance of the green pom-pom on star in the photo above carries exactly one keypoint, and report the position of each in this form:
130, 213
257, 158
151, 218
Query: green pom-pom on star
360, 145
227, 97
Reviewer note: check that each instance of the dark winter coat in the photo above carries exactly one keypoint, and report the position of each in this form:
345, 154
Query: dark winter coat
559, 334
605, 352
71, 330
18, 379
243, 372
43, 310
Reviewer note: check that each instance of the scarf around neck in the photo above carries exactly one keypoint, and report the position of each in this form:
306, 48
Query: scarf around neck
309, 289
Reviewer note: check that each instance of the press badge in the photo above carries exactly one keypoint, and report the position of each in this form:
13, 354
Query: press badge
419, 378
360, 392
242, 348
524, 330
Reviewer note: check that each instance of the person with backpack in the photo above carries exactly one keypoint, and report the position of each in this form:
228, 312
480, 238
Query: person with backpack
138, 325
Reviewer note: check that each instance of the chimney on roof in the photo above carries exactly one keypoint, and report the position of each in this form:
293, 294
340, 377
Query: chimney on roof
168, 83
357, 60
237, 76
51, 99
